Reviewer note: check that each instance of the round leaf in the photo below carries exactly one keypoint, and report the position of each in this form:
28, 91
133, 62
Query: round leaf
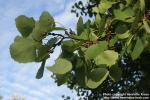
44, 25
96, 49
23, 50
61, 66
97, 74
46, 20
61, 79
25, 25
108, 57
101, 73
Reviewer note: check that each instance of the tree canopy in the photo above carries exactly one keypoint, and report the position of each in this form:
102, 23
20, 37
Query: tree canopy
108, 53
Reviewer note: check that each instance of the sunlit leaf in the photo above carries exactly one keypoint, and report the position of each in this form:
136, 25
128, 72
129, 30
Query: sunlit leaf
146, 26
92, 36
113, 41
61, 66
126, 15
84, 35
138, 48
96, 49
98, 19
95, 9
142, 4
124, 35
104, 6
129, 40
108, 57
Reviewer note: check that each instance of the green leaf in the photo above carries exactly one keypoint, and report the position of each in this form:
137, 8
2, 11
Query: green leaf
104, 6
142, 5
115, 73
87, 34
97, 76
69, 46
61, 79
96, 49
121, 28
124, 35
80, 26
98, 19
41, 70
125, 15
92, 36
59, 29
146, 26
95, 9
128, 2
44, 25
25, 25
81, 77
47, 21
23, 50
42, 52
61, 66
38, 32
113, 41
84, 35
79, 63
108, 57
51, 42
138, 48
102, 25
87, 25
129, 40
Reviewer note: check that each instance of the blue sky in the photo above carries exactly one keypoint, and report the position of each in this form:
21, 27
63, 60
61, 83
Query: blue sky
19, 79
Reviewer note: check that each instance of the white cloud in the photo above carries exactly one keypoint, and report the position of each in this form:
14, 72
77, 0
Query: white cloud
66, 18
